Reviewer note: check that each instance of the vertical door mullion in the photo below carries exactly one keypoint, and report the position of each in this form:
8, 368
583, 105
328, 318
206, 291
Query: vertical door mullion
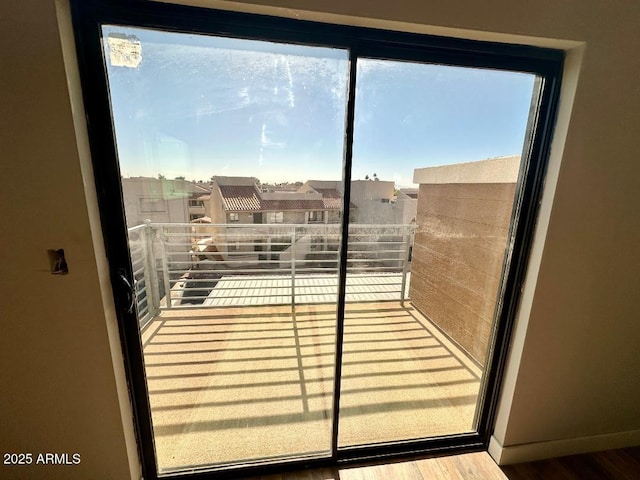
342, 274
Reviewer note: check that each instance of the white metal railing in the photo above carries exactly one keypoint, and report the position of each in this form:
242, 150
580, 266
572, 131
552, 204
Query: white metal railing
203, 265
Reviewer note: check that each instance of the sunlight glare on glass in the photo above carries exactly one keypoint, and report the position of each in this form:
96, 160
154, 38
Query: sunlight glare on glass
198, 106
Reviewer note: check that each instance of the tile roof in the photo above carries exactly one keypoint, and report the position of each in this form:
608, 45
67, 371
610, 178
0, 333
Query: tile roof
331, 197
247, 198
240, 198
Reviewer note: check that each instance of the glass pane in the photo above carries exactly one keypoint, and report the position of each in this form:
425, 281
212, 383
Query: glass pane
231, 156
435, 164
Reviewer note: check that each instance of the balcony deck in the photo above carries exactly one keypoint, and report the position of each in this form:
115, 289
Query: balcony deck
244, 290
230, 384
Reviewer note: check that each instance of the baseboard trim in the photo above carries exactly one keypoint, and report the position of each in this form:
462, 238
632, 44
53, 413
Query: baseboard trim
530, 452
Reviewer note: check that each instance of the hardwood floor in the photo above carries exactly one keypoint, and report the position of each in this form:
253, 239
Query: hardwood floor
620, 464
623, 464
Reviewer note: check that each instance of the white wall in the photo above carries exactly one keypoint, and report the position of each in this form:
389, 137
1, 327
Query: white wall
572, 375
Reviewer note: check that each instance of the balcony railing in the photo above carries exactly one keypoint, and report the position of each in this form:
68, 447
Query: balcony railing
207, 265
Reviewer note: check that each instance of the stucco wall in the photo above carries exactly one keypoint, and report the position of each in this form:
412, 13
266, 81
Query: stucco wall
174, 207
461, 233
572, 372
218, 215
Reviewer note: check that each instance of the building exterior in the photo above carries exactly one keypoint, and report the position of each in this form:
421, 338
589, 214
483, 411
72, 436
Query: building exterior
462, 223
163, 201
160, 200
235, 202
406, 205
240, 200
221, 210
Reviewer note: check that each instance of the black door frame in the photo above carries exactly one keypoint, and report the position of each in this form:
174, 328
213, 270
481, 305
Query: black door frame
89, 15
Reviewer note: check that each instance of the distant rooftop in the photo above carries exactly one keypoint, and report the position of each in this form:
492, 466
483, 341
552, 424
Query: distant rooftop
239, 181
240, 198
331, 198
170, 185
240, 195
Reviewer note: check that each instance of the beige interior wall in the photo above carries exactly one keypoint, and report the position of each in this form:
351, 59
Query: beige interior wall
62, 377
573, 372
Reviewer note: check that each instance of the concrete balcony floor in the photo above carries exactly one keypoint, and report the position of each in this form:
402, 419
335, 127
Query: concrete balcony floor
236, 384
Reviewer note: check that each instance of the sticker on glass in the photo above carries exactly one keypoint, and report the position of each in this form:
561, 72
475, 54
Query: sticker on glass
124, 50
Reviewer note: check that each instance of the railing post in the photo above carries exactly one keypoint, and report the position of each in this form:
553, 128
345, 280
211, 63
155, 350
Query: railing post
405, 264
150, 272
293, 267
165, 268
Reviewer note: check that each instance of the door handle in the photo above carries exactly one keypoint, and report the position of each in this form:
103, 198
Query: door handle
130, 291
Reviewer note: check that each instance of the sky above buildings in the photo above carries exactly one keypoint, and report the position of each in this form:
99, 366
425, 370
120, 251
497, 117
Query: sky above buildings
197, 106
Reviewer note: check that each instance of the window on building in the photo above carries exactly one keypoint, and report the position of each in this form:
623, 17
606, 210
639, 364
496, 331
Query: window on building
275, 217
315, 216
234, 217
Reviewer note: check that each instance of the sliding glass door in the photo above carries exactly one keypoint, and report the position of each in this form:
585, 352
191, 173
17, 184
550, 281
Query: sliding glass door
436, 157
220, 143
316, 233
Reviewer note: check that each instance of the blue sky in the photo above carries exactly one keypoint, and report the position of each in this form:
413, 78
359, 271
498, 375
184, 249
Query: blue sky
199, 106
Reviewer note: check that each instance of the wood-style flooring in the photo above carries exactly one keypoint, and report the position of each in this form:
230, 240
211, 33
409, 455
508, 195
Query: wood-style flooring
619, 464
623, 464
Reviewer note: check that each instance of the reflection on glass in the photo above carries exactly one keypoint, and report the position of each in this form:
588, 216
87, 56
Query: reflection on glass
231, 160
435, 161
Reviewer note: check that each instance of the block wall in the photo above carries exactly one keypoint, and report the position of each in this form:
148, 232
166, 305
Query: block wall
457, 258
